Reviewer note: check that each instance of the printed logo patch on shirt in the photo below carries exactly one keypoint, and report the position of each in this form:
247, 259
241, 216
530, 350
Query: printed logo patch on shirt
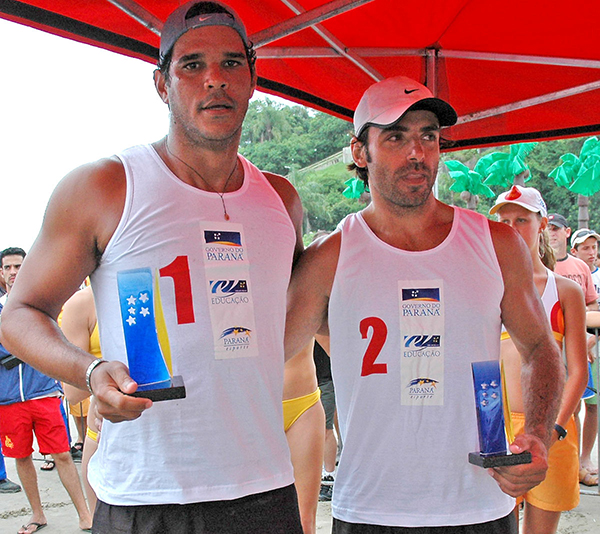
229, 290
236, 338
422, 346
421, 302
422, 388
222, 246
431, 294
231, 239
422, 325
8, 443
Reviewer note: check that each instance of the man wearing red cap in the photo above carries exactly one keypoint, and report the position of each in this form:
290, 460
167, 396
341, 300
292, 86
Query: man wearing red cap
411, 292
188, 219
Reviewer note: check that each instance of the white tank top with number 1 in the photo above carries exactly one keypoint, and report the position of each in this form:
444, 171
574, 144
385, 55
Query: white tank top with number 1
218, 306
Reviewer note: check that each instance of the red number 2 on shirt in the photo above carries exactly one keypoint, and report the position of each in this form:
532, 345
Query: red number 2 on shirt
369, 367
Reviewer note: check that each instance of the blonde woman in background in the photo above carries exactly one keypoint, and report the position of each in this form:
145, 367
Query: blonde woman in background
524, 210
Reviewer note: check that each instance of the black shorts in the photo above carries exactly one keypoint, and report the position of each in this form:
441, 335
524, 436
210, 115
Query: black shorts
271, 512
505, 525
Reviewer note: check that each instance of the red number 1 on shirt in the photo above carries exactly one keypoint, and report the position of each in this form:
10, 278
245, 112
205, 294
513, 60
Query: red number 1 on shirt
179, 271
369, 367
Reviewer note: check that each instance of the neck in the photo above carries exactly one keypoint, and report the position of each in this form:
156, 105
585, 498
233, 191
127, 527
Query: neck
215, 171
420, 228
560, 252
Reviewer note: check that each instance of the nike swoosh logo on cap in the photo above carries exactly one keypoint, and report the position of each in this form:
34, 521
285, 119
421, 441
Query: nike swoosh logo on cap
407, 92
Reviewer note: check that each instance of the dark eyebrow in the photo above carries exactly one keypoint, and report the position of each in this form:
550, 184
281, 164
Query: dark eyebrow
200, 55
399, 128
190, 57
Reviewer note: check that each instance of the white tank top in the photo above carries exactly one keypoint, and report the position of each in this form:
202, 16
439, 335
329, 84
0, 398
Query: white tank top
552, 307
405, 327
223, 291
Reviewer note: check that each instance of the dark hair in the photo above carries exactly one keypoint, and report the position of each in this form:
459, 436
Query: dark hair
12, 251
203, 8
361, 172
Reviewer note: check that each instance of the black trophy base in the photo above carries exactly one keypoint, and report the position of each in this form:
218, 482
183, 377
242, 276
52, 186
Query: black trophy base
175, 391
501, 460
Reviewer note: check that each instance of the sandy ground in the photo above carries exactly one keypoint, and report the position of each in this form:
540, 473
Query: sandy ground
62, 517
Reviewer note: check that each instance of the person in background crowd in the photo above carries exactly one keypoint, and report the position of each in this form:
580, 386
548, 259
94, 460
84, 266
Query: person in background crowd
584, 245
524, 210
30, 402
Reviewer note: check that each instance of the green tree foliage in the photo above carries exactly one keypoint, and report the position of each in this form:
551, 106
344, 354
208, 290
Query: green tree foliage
541, 162
467, 182
278, 138
322, 199
284, 139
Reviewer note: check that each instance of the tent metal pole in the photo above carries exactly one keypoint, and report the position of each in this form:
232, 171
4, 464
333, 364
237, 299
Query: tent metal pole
139, 14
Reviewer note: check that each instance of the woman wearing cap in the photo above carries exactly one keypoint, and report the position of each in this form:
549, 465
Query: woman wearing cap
524, 210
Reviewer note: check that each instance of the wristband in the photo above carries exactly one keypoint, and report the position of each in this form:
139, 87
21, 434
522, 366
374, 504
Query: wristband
88, 373
562, 433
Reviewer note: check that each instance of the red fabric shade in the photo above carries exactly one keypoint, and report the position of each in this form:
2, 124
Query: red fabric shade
514, 70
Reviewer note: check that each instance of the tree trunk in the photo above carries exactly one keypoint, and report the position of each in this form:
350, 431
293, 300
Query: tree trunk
471, 200
584, 217
519, 179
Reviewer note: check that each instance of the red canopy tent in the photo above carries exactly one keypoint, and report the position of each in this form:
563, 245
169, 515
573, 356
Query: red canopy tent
514, 70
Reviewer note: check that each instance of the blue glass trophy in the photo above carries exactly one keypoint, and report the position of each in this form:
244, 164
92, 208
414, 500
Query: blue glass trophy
145, 357
493, 418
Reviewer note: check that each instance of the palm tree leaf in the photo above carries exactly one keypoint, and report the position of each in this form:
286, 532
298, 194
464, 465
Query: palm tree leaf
485, 162
590, 145
355, 188
585, 184
455, 165
524, 149
561, 177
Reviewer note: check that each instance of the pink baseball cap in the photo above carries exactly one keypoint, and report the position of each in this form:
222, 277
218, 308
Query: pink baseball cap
187, 17
526, 197
387, 101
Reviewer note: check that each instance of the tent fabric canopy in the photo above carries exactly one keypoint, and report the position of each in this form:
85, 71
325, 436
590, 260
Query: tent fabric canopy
516, 70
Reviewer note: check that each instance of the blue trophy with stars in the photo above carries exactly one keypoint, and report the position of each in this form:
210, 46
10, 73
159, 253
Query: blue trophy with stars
147, 365
493, 418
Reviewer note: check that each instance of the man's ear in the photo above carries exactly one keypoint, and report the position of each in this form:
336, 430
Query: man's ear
359, 153
568, 231
161, 86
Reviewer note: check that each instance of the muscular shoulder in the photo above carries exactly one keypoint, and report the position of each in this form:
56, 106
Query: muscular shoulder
508, 244
292, 203
287, 192
318, 262
92, 196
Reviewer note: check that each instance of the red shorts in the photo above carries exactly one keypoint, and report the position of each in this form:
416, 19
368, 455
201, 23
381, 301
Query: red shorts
18, 421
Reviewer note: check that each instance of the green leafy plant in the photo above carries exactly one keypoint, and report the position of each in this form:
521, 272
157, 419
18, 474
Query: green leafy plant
468, 183
505, 169
580, 174
355, 187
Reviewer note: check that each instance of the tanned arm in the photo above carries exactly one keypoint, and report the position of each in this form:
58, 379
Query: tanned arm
78, 322
309, 291
542, 372
573, 305
81, 217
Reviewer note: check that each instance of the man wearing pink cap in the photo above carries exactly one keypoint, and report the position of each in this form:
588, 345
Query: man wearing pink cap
188, 219
411, 292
